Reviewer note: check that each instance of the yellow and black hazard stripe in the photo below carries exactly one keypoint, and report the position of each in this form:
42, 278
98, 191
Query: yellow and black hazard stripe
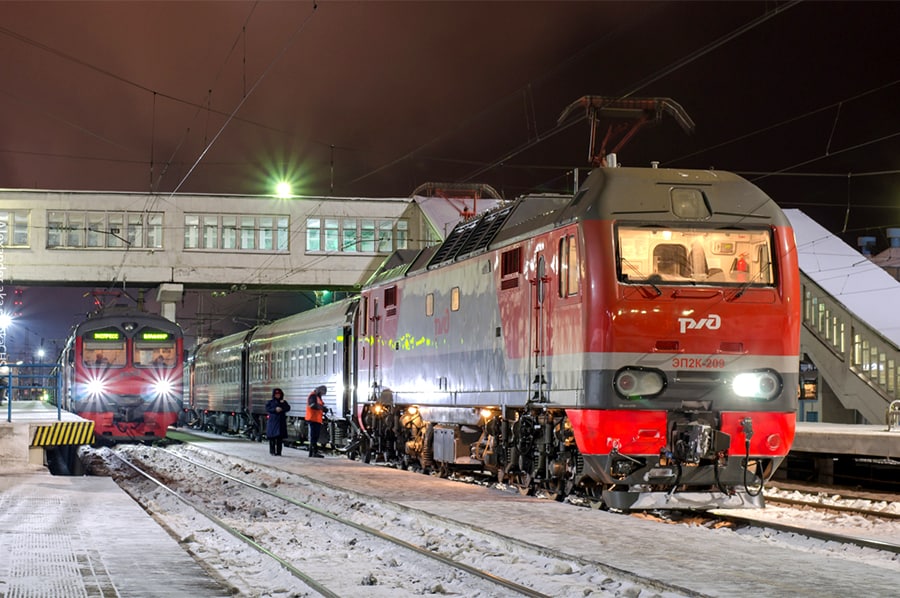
64, 433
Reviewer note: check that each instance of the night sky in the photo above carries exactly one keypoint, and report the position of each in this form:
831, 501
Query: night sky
375, 98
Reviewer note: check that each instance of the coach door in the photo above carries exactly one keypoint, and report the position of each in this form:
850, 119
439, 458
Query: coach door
539, 322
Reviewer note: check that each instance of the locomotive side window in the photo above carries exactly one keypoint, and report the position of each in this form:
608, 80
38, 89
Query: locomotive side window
429, 304
568, 266
454, 299
390, 301
510, 267
695, 255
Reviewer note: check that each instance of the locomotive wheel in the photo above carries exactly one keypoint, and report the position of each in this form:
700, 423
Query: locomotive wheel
523, 482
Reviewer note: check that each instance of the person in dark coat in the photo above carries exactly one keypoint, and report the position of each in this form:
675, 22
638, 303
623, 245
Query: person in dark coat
315, 409
276, 427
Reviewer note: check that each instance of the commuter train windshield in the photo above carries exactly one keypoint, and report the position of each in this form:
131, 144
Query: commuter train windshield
677, 255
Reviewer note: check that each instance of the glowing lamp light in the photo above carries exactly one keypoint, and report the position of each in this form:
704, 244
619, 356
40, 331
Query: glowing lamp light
5, 320
95, 387
283, 190
764, 385
163, 388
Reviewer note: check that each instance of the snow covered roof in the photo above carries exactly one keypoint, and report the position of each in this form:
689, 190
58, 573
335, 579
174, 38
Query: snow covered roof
446, 212
861, 286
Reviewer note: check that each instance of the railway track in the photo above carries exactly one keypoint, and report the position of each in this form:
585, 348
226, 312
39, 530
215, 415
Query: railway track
377, 544
806, 531
420, 562
839, 508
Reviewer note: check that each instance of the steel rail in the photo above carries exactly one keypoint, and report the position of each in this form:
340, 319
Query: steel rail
819, 535
480, 573
828, 507
309, 581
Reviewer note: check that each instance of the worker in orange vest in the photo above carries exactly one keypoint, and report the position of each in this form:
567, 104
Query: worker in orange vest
315, 409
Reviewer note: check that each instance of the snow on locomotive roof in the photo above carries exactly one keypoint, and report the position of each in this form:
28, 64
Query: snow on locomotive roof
861, 286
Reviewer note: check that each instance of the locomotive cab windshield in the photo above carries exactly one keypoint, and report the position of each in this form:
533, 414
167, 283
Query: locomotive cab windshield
693, 255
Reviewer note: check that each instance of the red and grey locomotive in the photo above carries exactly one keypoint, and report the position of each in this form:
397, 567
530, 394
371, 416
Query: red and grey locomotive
637, 341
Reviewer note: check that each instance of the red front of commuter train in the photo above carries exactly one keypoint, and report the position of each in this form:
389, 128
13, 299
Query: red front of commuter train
124, 372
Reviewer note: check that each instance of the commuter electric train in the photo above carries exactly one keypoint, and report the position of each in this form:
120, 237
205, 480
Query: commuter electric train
636, 342
122, 369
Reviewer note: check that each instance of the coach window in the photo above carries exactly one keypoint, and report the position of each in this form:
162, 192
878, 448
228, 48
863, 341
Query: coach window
454, 299
429, 304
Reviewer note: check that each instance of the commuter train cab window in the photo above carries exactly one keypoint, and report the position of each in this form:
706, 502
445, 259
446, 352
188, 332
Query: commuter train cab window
104, 348
694, 255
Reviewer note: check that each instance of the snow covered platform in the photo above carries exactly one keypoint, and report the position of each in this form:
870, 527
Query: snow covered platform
700, 560
70, 537
856, 440
28, 427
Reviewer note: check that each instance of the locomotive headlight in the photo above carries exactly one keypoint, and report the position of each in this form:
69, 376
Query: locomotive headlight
639, 383
764, 385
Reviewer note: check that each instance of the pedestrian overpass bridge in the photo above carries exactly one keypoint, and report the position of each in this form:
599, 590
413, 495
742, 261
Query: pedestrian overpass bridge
851, 331
849, 335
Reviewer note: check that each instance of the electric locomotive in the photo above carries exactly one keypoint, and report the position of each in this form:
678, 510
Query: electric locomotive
638, 341
122, 368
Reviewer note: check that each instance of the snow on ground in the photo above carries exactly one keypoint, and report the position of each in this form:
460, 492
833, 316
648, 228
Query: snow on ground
252, 575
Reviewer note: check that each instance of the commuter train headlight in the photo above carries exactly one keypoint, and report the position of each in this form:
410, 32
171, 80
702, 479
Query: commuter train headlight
95, 387
764, 385
163, 387
639, 383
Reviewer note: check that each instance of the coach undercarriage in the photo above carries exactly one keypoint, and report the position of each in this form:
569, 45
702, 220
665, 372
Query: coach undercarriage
534, 450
